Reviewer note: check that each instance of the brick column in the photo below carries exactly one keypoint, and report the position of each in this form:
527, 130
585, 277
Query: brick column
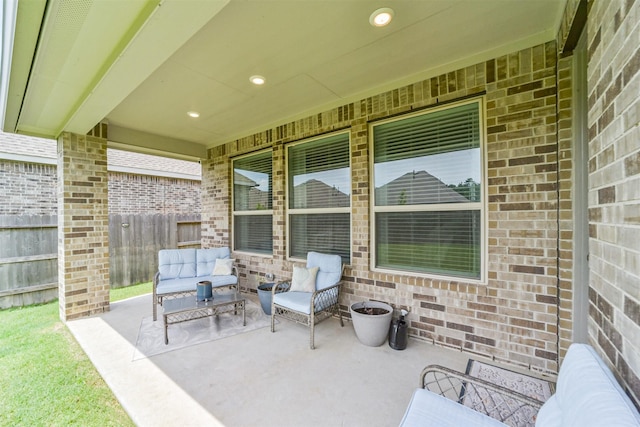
83, 226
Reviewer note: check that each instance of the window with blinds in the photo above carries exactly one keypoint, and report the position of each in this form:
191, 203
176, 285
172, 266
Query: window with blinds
319, 195
252, 203
428, 195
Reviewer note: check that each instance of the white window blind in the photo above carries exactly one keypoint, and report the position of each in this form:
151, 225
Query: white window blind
252, 203
428, 192
319, 191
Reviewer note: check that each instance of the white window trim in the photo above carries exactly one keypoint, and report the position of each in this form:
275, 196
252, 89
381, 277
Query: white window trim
290, 211
483, 204
247, 212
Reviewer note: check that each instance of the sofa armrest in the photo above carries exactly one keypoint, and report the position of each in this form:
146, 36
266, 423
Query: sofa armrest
496, 401
154, 300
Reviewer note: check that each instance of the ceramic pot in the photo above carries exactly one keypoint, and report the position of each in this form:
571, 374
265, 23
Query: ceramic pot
371, 328
264, 294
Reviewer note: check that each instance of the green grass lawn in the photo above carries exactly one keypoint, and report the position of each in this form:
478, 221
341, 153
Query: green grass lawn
130, 291
447, 258
45, 377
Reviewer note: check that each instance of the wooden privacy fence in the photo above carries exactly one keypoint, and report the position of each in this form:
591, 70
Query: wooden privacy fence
134, 242
29, 251
28, 259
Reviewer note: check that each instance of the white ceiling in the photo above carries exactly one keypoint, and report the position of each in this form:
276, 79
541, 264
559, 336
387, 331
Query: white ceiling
142, 64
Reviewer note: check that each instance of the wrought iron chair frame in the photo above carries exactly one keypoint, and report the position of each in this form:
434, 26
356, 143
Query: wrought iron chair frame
319, 298
497, 402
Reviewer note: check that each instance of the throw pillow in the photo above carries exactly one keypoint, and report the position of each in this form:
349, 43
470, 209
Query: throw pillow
303, 279
222, 267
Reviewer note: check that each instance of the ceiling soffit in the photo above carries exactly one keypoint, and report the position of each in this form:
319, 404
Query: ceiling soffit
92, 54
142, 64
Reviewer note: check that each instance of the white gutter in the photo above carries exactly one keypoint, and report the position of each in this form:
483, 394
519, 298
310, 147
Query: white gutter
8, 14
29, 158
41, 160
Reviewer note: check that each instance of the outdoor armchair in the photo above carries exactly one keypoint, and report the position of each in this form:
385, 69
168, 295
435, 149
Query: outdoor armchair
320, 299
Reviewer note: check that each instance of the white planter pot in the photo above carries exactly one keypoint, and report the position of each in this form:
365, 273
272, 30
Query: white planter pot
371, 329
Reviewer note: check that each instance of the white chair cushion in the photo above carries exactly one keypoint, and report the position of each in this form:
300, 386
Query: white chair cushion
297, 301
587, 395
330, 268
430, 409
222, 267
206, 259
177, 263
303, 279
189, 284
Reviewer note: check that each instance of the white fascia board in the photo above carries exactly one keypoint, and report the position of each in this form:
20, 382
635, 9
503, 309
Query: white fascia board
8, 11
134, 140
27, 158
18, 50
171, 25
40, 160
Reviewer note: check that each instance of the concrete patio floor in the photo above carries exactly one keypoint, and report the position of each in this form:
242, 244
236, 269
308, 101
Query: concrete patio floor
257, 378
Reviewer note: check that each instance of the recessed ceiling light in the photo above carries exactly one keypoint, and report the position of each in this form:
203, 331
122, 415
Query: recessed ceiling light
193, 114
381, 17
257, 80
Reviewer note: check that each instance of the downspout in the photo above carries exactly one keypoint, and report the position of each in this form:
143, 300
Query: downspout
558, 231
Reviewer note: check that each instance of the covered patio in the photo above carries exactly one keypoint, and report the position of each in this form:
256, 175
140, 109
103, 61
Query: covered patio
473, 162
257, 378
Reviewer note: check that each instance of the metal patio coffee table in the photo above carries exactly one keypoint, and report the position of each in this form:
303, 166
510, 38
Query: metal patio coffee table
187, 308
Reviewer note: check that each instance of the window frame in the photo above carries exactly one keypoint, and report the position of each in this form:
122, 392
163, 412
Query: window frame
265, 212
481, 206
315, 211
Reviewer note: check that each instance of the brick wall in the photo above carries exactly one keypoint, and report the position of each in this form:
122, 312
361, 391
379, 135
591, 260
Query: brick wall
83, 226
133, 194
614, 186
27, 189
565, 207
514, 316
30, 189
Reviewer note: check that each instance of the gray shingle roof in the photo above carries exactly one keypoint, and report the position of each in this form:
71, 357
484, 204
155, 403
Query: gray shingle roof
117, 160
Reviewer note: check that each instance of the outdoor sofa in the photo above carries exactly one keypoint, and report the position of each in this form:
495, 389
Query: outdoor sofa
180, 270
587, 395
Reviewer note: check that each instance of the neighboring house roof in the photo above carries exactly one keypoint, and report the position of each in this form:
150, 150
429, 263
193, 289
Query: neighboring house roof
240, 179
247, 195
415, 188
38, 150
315, 194
312, 194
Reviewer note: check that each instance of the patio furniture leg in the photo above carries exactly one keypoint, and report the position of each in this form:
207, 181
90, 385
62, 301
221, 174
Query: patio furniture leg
311, 337
273, 323
166, 327
244, 314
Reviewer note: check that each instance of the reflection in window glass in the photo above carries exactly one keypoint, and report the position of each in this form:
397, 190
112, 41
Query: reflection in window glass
327, 233
445, 243
252, 203
252, 179
319, 181
452, 177
253, 233
428, 192
319, 173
